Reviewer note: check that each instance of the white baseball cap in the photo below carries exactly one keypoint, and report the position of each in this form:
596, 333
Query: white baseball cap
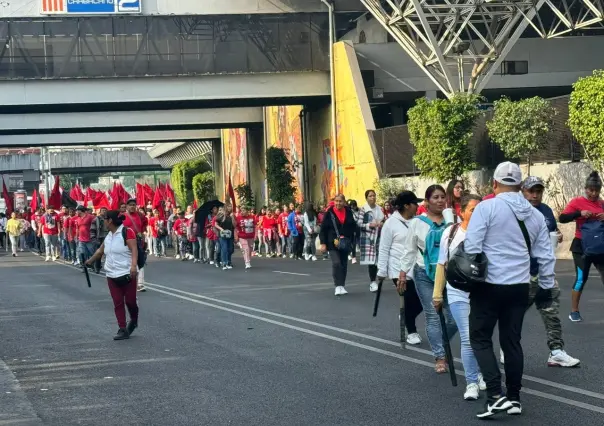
508, 174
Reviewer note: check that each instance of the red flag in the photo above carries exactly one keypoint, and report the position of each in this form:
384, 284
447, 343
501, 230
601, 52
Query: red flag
100, 200
115, 198
55, 198
7, 199
140, 195
232, 195
87, 198
195, 204
148, 194
170, 194
34, 201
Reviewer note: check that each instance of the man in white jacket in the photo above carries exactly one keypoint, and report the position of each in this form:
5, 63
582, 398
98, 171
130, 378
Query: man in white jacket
496, 230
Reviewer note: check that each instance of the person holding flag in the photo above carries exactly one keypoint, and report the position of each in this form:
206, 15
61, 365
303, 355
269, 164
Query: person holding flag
138, 223
51, 227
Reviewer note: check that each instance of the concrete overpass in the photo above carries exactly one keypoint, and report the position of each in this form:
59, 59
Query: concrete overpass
78, 161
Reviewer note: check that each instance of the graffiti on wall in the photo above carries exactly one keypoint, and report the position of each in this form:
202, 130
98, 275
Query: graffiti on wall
234, 156
285, 132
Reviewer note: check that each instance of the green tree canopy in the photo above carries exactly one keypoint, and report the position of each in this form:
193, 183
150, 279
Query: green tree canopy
521, 127
586, 116
203, 187
279, 176
440, 130
182, 179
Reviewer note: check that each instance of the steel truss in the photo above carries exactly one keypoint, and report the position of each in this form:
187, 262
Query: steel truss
561, 17
444, 37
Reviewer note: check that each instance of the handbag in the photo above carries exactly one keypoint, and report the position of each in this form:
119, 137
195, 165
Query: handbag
343, 244
122, 281
226, 233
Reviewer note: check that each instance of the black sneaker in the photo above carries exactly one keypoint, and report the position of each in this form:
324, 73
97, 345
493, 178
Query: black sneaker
516, 408
122, 334
494, 406
132, 325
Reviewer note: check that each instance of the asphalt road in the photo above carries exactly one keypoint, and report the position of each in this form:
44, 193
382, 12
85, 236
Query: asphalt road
269, 346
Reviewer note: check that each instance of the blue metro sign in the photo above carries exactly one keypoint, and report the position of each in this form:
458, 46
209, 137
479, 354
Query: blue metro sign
89, 7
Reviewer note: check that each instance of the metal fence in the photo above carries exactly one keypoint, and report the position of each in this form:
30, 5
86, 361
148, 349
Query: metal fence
396, 151
123, 46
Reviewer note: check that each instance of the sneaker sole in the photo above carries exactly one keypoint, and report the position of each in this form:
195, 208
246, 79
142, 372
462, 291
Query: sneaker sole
575, 320
562, 365
471, 398
514, 411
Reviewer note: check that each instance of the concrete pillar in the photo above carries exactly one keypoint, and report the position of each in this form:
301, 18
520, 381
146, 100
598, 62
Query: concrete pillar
431, 94
257, 164
217, 166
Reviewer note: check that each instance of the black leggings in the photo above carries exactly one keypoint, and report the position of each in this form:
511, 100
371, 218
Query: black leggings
583, 265
413, 306
372, 272
339, 267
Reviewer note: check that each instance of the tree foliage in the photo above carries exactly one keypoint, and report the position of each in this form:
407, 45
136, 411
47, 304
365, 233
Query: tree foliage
440, 130
586, 116
389, 188
521, 127
182, 179
203, 187
245, 195
279, 176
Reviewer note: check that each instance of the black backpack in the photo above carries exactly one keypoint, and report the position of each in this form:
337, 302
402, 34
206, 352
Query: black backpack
140, 245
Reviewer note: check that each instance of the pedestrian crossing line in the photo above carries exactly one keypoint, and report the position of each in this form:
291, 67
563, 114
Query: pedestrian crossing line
367, 337
399, 356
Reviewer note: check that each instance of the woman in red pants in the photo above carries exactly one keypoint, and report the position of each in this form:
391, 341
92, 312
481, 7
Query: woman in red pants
121, 254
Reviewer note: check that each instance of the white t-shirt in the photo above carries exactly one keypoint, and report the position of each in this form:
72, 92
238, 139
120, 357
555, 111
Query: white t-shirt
453, 294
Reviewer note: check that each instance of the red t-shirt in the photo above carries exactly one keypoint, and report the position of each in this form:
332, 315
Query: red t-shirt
140, 222
269, 222
84, 227
65, 224
50, 224
421, 209
246, 226
579, 204
180, 227
283, 224
152, 222
488, 197
191, 223
73, 228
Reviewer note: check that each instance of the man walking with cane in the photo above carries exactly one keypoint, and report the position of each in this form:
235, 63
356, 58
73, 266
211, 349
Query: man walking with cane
509, 231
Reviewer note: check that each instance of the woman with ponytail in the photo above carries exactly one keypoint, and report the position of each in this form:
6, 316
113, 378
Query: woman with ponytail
581, 209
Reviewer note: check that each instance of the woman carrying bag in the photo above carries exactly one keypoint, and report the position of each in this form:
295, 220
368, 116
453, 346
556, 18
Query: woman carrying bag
121, 269
336, 234
370, 221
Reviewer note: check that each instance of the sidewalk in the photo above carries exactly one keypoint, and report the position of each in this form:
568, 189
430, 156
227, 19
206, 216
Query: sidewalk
15, 408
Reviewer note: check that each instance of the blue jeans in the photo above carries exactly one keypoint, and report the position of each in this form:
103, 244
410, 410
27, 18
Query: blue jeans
425, 288
86, 249
461, 314
226, 250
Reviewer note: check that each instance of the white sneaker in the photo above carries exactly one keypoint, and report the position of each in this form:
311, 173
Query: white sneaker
47, 259
291, 256
562, 359
343, 291
501, 357
229, 267
284, 256
354, 260
177, 256
337, 292
211, 262
314, 258
413, 338
481, 383
248, 266
472, 393
373, 287
224, 268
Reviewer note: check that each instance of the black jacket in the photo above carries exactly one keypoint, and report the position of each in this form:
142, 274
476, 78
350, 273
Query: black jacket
346, 229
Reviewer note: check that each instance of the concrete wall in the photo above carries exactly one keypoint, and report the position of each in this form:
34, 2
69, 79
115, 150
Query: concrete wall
29, 8
554, 62
101, 159
257, 165
11, 163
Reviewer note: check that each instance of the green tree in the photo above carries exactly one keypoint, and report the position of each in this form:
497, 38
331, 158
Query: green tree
203, 187
586, 116
440, 130
182, 179
521, 127
279, 176
245, 195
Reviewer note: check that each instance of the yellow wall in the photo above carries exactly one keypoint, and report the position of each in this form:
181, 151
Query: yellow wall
357, 166
283, 130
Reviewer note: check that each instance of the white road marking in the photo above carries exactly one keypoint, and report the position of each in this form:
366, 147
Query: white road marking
291, 273
373, 338
545, 395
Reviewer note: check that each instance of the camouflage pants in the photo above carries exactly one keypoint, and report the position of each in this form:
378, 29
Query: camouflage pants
547, 302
